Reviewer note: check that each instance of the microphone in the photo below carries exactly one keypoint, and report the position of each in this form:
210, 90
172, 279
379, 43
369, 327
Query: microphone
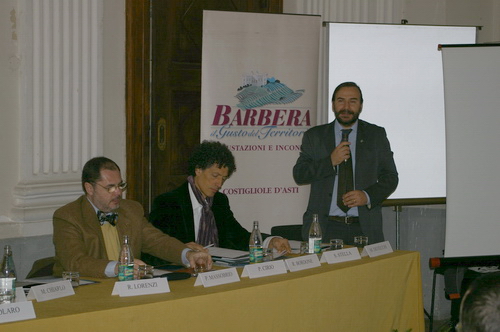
345, 137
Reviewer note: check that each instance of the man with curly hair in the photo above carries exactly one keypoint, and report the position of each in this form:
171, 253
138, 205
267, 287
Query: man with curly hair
197, 212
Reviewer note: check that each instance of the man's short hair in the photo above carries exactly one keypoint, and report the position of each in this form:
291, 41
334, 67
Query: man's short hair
210, 153
348, 84
92, 169
480, 307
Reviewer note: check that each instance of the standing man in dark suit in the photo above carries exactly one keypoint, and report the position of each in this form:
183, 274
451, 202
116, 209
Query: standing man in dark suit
88, 231
375, 174
197, 212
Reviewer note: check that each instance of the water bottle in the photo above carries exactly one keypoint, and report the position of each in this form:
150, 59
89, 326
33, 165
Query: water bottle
315, 236
7, 277
126, 263
255, 245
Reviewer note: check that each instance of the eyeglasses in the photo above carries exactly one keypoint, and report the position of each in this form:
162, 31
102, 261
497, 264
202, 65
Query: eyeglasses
111, 189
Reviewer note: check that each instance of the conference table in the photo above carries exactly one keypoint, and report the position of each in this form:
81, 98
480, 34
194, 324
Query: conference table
381, 293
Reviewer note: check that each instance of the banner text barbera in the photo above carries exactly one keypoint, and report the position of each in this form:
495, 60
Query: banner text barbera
227, 116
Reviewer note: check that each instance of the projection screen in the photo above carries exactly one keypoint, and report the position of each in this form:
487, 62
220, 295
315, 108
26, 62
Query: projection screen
399, 69
472, 99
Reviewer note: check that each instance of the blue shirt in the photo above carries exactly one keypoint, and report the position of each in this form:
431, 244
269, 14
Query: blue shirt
334, 209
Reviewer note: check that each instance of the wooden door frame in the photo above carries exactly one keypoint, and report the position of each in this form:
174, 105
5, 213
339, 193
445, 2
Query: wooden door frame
138, 109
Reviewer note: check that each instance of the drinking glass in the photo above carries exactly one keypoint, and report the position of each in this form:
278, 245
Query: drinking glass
146, 272
360, 241
336, 244
73, 277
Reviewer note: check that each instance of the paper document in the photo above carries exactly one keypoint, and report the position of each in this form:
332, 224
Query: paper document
229, 257
227, 253
295, 245
49, 279
160, 272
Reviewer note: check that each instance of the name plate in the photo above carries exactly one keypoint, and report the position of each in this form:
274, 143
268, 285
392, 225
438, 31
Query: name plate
342, 255
51, 291
218, 277
12, 312
264, 269
302, 262
141, 287
20, 295
377, 249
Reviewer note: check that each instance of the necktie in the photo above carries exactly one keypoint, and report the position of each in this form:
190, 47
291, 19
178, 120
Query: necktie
345, 177
110, 217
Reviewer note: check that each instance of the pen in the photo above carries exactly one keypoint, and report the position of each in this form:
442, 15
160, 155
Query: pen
210, 245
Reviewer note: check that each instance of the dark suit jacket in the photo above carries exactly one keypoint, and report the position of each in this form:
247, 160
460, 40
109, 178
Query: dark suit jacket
79, 242
172, 212
375, 173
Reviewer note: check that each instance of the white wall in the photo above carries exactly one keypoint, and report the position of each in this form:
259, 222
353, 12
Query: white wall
9, 104
437, 12
27, 201
28, 196
457, 12
114, 82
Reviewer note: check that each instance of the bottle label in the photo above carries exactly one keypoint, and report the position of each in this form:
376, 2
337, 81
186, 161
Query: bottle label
7, 290
125, 272
314, 245
256, 254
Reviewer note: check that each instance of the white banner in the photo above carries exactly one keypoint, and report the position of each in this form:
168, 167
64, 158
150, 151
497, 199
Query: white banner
259, 95
471, 81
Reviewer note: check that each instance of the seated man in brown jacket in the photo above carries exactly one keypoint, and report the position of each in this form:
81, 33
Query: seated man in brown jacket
88, 231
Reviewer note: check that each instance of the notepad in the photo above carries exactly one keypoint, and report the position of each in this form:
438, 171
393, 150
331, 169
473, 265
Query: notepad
227, 253
229, 257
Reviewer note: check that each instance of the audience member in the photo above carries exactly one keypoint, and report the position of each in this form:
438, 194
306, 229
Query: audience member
480, 307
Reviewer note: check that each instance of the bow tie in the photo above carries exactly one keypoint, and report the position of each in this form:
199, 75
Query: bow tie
110, 217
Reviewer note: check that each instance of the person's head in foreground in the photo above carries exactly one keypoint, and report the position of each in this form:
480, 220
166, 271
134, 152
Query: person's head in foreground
480, 307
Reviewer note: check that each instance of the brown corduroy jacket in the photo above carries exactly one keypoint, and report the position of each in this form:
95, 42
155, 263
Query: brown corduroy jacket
79, 243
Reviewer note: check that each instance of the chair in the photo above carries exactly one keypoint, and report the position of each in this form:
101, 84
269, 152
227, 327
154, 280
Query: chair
42, 267
290, 232
453, 269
